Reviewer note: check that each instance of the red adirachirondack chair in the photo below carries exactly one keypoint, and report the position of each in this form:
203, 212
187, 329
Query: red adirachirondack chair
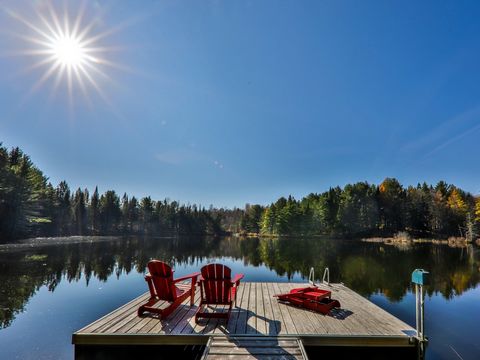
162, 286
217, 288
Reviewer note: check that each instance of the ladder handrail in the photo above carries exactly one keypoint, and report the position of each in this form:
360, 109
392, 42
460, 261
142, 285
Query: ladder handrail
311, 276
326, 273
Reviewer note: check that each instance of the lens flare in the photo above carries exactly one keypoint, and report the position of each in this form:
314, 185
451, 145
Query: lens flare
68, 49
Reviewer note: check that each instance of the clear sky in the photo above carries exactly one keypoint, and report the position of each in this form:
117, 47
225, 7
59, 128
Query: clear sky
234, 102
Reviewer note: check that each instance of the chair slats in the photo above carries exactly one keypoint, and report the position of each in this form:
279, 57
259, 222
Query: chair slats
217, 288
162, 287
217, 283
162, 277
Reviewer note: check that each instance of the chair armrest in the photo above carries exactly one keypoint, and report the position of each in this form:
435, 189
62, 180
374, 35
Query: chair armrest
186, 277
237, 278
148, 276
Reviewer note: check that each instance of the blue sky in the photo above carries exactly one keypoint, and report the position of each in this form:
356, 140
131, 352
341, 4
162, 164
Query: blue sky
234, 102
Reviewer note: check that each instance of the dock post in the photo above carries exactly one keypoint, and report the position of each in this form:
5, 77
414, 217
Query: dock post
419, 277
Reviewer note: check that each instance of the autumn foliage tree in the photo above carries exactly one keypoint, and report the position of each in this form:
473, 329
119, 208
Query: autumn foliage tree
477, 210
362, 209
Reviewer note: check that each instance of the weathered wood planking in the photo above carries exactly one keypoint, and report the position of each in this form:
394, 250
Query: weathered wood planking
261, 348
257, 313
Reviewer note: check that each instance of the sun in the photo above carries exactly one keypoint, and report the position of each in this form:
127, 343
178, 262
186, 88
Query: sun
69, 50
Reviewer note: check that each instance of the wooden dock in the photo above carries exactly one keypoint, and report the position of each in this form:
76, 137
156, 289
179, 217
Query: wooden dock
359, 323
246, 348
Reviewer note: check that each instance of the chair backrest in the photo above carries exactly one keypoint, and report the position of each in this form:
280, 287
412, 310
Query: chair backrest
162, 279
216, 283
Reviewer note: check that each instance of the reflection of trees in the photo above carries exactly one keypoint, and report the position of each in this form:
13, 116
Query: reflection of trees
289, 255
366, 267
22, 273
370, 268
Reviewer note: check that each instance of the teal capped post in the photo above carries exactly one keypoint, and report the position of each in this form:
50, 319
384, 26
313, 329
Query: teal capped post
420, 277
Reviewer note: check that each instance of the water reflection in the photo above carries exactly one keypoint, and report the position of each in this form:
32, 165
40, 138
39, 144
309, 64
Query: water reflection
368, 268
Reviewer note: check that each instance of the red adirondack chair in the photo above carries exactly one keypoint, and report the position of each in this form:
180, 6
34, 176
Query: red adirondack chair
217, 288
162, 286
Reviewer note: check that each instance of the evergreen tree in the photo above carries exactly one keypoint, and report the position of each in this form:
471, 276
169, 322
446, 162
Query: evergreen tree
146, 214
133, 214
418, 217
439, 210
327, 208
22, 187
391, 196
94, 212
124, 205
79, 213
250, 221
110, 212
63, 218
358, 212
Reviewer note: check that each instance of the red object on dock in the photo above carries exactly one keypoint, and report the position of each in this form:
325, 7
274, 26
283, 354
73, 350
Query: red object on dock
311, 298
163, 287
217, 288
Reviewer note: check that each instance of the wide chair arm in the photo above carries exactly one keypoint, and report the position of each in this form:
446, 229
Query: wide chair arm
192, 276
237, 278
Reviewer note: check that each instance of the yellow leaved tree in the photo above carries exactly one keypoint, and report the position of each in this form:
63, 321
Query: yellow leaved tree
477, 209
456, 202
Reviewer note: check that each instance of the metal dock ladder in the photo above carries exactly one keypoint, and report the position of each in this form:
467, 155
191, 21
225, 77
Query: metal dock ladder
254, 347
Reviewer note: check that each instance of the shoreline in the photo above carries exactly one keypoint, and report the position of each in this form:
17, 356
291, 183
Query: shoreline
53, 240
401, 241
63, 240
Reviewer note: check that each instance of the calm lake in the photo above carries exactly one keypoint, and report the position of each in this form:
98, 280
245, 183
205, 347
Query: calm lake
48, 291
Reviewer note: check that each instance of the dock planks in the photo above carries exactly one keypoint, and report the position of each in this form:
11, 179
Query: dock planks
260, 348
258, 313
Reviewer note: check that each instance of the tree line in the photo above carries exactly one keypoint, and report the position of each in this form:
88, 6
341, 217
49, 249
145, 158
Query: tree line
31, 206
363, 209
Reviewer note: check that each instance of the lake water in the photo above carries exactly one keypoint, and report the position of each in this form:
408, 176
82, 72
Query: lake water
50, 290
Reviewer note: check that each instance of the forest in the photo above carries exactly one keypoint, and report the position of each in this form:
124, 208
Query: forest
365, 210
31, 206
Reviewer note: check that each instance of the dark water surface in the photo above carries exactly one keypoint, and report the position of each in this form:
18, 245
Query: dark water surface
48, 291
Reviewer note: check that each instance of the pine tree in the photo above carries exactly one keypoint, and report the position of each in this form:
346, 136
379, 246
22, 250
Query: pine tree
146, 213
63, 218
110, 212
94, 212
391, 196
79, 212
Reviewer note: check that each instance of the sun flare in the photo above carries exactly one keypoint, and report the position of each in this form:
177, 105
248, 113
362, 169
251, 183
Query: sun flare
71, 51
